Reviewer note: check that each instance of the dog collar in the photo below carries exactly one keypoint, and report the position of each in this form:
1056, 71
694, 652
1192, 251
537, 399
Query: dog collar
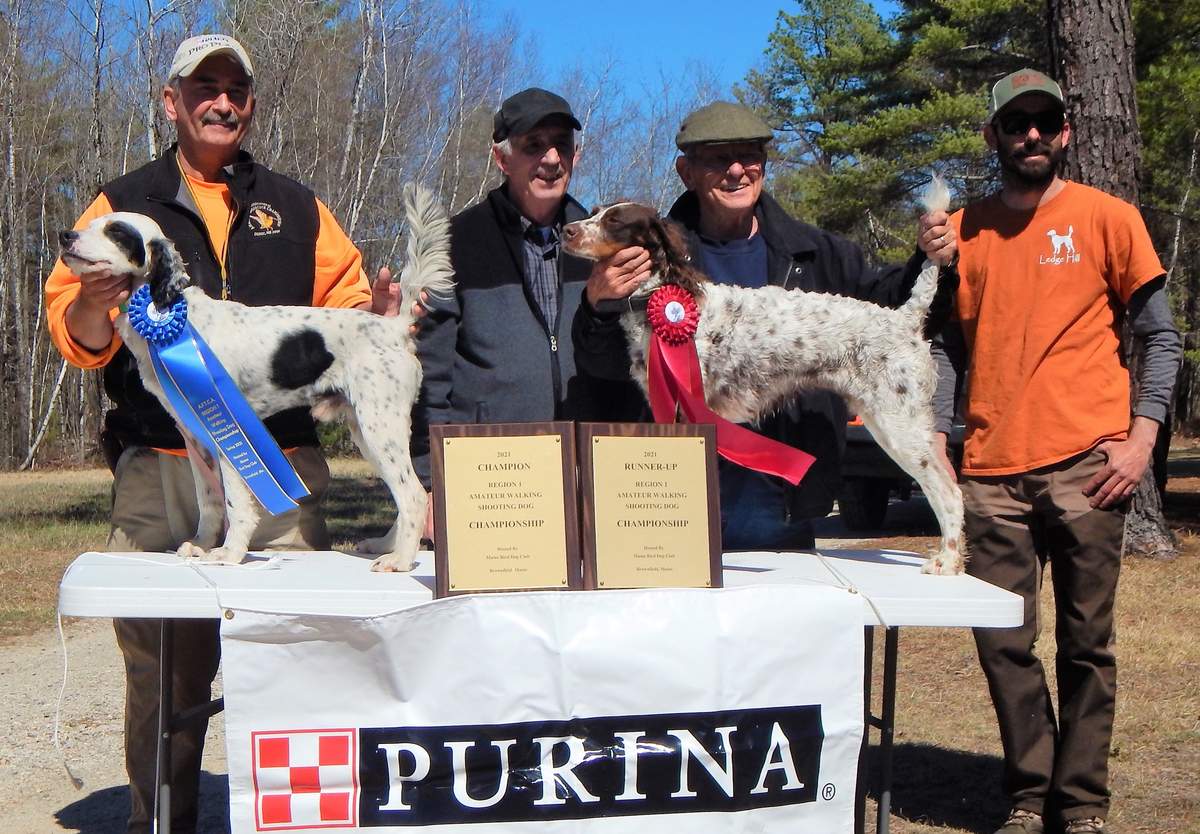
618, 306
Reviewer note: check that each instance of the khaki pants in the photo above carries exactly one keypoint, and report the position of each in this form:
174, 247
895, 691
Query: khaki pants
1015, 525
155, 509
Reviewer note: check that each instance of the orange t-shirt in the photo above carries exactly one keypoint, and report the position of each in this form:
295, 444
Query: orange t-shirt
216, 210
1038, 299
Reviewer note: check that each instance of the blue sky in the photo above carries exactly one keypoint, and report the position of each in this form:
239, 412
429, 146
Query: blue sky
646, 36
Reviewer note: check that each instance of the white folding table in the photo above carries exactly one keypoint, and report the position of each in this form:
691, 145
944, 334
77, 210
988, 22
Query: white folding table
894, 592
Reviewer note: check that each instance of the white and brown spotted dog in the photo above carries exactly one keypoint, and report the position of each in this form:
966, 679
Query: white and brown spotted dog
759, 347
339, 362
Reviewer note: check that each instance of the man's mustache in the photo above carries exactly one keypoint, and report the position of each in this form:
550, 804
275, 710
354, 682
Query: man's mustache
228, 120
1035, 149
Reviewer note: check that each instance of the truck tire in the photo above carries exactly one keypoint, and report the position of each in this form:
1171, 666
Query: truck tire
864, 502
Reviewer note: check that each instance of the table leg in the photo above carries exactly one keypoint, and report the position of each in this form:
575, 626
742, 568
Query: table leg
166, 702
860, 794
887, 728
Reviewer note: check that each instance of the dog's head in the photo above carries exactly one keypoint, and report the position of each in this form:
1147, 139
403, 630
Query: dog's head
125, 243
614, 227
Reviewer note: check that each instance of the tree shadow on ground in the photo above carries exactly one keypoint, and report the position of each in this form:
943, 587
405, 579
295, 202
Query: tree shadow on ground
949, 788
92, 510
1182, 509
358, 508
106, 811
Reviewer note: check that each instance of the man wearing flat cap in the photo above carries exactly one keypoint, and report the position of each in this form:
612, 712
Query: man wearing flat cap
247, 234
740, 235
1048, 269
500, 349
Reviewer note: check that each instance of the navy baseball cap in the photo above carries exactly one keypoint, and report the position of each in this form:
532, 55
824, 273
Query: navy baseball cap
523, 111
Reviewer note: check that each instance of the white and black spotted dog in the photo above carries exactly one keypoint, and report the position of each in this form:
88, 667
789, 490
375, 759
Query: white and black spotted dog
339, 362
759, 347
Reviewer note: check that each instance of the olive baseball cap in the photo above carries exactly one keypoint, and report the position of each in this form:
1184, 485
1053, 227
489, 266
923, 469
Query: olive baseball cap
193, 52
722, 122
521, 112
1019, 83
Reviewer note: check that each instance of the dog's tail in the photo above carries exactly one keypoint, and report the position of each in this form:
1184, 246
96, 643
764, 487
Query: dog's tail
935, 198
428, 264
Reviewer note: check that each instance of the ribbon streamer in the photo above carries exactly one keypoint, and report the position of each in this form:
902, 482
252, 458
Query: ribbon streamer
676, 384
208, 404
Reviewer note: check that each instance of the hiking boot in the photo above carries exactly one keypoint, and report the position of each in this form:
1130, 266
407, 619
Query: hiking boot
1088, 825
1021, 821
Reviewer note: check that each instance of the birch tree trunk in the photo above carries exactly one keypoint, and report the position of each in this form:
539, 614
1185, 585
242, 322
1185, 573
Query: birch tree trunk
1091, 45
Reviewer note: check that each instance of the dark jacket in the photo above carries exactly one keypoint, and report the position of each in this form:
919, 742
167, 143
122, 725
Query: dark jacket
487, 354
799, 256
264, 267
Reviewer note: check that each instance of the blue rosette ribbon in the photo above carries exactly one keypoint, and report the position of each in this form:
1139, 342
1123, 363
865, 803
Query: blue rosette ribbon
209, 406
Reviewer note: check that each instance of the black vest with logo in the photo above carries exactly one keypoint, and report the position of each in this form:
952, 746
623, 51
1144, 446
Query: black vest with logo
270, 259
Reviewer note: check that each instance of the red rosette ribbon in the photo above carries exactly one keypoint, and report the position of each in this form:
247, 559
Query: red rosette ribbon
677, 388
673, 314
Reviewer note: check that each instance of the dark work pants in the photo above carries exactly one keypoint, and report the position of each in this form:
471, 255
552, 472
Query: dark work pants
1015, 526
754, 512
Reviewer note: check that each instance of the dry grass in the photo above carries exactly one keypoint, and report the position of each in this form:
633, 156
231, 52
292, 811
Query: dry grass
947, 756
48, 518
947, 752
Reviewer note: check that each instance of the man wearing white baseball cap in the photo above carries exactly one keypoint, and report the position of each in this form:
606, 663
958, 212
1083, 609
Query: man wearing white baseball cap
247, 234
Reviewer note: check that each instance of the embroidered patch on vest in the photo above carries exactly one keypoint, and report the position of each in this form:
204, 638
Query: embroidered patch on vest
263, 219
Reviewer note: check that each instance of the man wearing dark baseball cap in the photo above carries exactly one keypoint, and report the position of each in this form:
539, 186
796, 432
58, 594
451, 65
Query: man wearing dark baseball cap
500, 349
1047, 270
524, 111
740, 235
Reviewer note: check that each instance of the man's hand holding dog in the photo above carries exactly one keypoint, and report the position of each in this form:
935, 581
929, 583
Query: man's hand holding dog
385, 300
385, 294
88, 319
618, 275
936, 238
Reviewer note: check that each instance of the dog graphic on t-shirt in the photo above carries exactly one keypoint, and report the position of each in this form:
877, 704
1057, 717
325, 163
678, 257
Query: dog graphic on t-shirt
1064, 247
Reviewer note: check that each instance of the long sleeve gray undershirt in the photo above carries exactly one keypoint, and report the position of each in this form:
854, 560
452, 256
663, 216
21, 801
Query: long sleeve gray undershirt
1154, 333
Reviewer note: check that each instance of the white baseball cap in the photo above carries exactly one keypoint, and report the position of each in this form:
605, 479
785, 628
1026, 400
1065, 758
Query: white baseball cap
192, 52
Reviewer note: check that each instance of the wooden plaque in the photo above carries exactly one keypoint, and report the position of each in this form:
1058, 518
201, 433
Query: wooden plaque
651, 508
505, 507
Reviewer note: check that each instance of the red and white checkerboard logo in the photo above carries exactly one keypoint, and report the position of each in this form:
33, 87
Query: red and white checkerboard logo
305, 779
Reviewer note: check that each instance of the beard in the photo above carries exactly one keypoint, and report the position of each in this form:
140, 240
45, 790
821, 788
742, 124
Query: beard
1020, 170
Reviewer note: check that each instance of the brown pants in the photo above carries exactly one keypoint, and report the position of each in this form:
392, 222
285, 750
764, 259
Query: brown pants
154, 509
1015, 525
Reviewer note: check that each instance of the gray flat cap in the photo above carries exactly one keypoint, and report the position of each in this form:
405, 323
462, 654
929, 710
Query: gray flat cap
721, 122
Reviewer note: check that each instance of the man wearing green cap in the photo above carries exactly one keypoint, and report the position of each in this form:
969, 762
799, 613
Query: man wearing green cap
1048, 268
740, 235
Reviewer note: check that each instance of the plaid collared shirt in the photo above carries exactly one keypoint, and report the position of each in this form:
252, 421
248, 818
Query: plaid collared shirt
541, 267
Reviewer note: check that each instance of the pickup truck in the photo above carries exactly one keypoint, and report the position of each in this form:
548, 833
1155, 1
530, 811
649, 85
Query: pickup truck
870, 477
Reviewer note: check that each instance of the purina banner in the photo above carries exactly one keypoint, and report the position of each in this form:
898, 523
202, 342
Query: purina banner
649, 711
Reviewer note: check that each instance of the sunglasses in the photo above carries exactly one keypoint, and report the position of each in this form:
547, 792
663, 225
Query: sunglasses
1047, 122
723, 160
